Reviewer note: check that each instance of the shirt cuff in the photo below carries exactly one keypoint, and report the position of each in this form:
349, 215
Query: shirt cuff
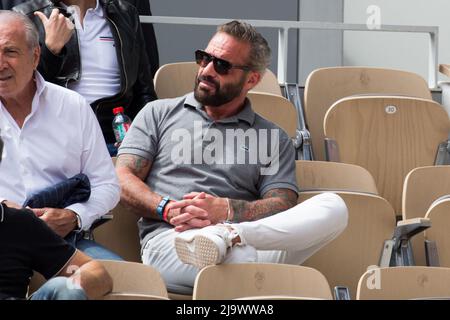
82, 217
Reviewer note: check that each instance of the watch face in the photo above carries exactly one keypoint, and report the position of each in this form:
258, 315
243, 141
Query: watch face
78, 221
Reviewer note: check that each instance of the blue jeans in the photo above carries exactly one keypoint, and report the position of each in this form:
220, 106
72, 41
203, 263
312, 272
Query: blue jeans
59, 288
91, 248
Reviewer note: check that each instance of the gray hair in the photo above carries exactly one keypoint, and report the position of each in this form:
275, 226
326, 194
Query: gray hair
260, 53
31, 32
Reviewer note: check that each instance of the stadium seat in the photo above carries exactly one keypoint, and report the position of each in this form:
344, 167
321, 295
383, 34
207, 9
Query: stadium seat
176, 79
371, 220
422, 186
232, 281
134, 281
276, 109
333, 176
437, 237
327, 85
121, 234
268, 84
387, 135
404, 283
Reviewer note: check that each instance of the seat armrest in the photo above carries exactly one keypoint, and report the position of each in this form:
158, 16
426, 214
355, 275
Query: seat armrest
406, 229
445, 69
341, 293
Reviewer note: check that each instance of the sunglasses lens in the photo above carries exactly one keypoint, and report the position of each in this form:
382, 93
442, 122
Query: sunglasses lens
203, 58
221, 66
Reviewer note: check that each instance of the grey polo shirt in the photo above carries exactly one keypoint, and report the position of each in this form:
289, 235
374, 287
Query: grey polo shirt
241, 157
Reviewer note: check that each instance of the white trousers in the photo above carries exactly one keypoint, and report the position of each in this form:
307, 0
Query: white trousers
287, 237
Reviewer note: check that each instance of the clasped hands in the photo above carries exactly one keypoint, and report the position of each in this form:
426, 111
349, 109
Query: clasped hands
197, 210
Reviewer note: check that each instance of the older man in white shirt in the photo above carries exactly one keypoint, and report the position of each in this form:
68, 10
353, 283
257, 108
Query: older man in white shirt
51, 134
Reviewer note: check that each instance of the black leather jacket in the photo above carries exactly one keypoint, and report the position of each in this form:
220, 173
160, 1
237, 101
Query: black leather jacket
136, 87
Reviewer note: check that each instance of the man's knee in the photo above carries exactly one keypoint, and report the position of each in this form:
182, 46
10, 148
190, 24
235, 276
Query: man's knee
338, 212
60, 288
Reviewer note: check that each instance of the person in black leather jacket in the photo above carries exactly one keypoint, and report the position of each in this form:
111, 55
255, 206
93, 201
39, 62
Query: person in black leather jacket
61, 59
143, 8
8, 4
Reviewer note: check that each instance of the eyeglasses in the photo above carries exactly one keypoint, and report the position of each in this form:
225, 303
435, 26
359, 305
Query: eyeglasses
221, 66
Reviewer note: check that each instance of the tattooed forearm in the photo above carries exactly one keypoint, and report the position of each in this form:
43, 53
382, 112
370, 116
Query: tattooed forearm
136, 195
274, 201
138, 165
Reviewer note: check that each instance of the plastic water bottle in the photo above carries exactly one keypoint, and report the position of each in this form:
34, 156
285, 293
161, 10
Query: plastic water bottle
121, 123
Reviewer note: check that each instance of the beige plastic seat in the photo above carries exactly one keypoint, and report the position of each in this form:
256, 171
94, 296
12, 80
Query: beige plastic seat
134, 281
445, 69
121, 234
422, 186
176, 79
371, 220
231, 281
268, 84
404, 283
327, 85
276, 109
389, 136
333, 176
439, 214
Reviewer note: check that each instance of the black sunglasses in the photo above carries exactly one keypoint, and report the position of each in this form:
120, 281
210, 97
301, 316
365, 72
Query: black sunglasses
221, 66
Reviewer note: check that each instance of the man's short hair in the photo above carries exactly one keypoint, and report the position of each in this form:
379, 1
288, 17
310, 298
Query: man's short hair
31, 32
260, 53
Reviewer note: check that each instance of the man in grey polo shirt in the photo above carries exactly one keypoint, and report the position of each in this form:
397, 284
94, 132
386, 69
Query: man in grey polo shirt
213, 181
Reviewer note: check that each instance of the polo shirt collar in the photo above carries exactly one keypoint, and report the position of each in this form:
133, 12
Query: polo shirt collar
99, 10
246, 114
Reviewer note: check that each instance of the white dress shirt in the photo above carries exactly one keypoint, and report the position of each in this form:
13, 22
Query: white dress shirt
60, 138
100, 72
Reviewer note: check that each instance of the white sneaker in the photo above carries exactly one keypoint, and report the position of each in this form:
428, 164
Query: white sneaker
204, 247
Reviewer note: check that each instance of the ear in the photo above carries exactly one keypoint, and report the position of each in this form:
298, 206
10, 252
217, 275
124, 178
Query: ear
253, 78
36, 56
